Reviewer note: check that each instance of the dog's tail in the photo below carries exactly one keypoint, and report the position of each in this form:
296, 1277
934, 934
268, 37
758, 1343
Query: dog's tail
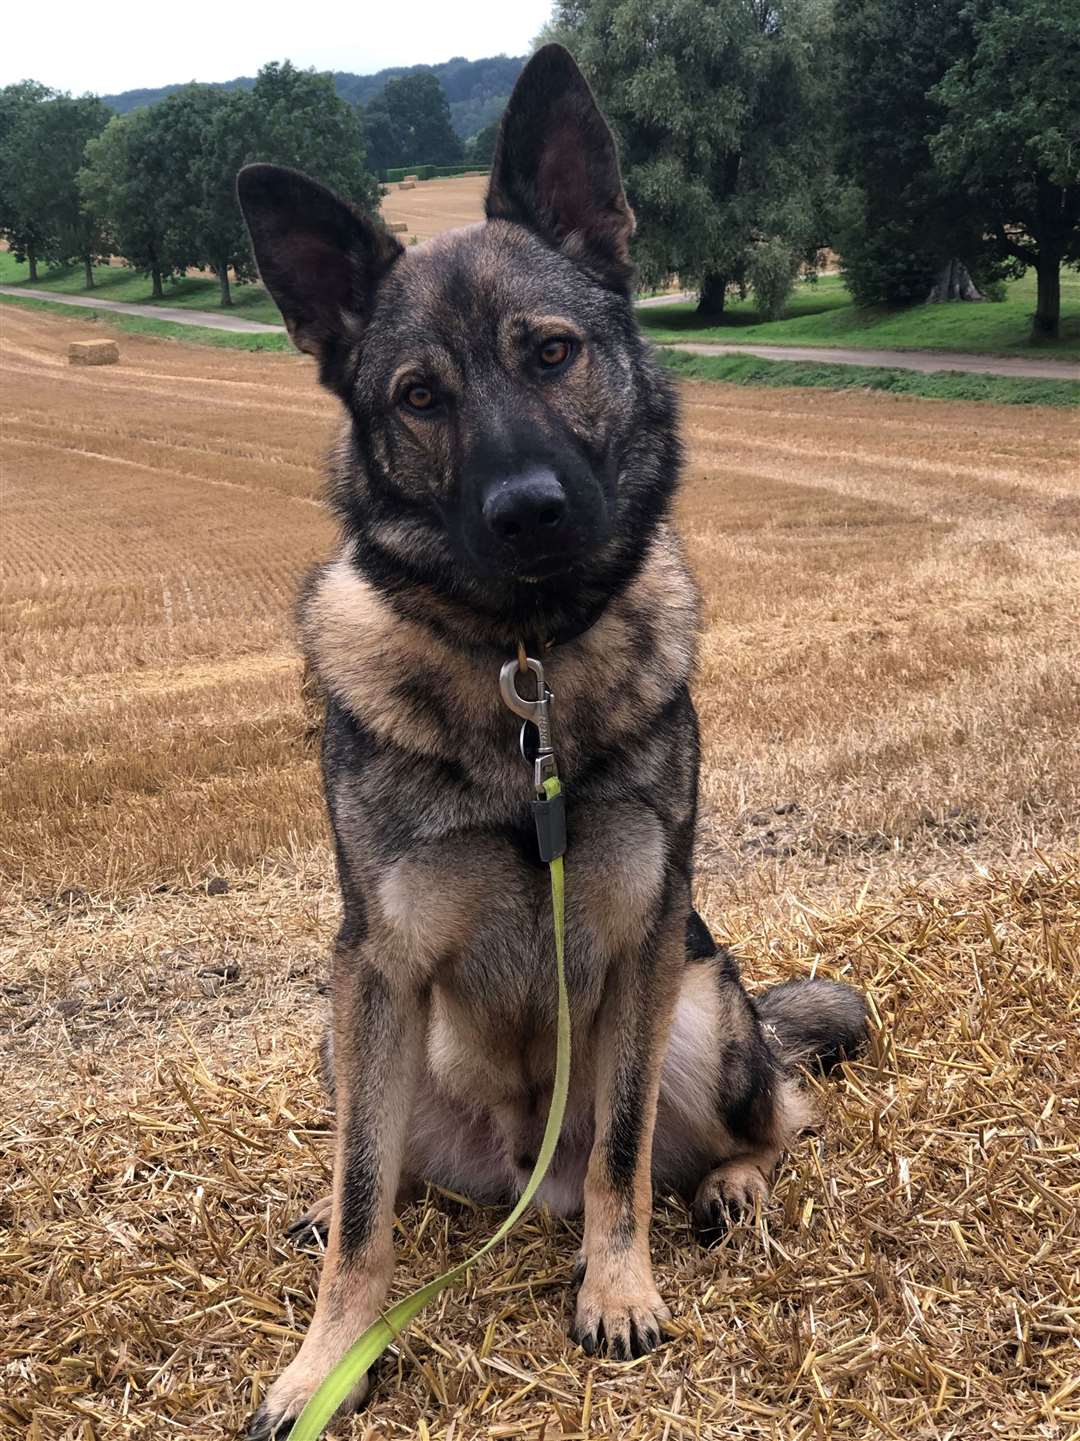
812, 1022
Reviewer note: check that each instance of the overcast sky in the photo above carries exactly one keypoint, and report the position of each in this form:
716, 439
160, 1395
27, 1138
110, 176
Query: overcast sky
126, 46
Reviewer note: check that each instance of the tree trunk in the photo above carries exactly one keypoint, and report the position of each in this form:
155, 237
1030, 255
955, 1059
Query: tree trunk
953, 282
223, 276
89, 272
32, 258
1048, 304
155, 276
711, 299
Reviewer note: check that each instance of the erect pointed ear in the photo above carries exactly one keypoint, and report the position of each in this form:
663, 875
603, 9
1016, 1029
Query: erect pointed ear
556, 169
318, 257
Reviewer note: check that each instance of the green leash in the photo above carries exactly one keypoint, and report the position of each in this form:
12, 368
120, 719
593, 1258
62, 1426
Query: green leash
548, 810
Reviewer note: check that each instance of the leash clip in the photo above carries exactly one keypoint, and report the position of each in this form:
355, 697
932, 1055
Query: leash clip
533, 712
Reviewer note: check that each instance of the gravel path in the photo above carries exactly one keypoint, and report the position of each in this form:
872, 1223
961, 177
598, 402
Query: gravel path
209, 319
924, 360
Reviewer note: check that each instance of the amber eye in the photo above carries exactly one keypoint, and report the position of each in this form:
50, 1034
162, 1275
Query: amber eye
419, 397
554, 353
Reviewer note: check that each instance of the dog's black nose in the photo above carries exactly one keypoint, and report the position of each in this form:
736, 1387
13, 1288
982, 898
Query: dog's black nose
527, 510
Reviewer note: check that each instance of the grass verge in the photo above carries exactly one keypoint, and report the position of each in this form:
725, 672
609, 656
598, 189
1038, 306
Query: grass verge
165, 329
823, 314
935, 385
117, 282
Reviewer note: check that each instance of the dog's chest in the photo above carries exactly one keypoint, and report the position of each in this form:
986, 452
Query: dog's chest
482, 915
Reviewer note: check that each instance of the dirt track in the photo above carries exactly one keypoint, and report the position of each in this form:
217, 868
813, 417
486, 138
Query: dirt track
922, 360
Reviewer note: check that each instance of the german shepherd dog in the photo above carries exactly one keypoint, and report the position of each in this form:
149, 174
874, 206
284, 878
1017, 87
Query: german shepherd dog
506, 476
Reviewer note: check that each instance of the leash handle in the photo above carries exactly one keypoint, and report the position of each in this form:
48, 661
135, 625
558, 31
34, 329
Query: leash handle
364, 1352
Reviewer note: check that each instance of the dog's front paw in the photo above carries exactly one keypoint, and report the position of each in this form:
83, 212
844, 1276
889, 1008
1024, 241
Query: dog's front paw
619, 1311
289, 1395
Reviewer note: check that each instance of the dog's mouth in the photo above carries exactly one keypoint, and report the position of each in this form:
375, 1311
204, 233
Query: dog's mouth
537, 569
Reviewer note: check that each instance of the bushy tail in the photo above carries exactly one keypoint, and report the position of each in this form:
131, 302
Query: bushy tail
813, 1022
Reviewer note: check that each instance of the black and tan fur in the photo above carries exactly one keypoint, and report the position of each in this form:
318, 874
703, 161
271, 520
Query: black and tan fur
443, 980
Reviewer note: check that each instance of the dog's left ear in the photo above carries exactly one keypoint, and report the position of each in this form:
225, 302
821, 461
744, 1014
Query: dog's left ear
556, 169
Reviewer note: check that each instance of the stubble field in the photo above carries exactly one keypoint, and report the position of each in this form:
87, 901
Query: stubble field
889, 694
436, 205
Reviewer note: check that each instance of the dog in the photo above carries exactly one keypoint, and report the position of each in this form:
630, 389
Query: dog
505, 477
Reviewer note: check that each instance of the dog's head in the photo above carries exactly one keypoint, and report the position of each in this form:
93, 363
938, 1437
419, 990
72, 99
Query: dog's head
512, 444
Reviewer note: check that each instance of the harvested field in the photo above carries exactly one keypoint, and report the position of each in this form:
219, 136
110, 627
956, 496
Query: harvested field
436, 205
888, 690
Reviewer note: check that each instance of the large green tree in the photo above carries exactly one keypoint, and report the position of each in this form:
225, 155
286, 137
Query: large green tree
209, 134
719, 107
1011, 134
130, 180
420, 115
298, 119
44, 153
904, 230
384, 148
23, 231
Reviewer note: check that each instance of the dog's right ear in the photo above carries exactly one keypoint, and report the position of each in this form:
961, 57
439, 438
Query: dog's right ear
318, 257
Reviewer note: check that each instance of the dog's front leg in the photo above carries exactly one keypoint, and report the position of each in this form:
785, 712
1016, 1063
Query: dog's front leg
379, 1025
618, 1306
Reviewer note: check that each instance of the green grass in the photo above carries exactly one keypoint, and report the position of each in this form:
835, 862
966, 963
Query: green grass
936, 385
736, 369
116, 282
823, 314
167, 329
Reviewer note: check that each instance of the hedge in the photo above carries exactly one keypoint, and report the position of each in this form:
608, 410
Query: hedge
430, 172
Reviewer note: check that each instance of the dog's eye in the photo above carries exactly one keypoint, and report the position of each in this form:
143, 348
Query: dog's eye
419, 397
555, 353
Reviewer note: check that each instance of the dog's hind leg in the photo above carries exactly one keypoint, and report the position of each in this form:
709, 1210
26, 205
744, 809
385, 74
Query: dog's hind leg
730, 1101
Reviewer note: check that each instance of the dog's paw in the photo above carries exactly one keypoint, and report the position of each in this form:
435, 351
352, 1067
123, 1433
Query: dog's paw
289, 1395
621, 1319
312, 1229
724, 1195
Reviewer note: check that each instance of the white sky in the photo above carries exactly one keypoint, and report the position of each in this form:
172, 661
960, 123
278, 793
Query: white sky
125, 46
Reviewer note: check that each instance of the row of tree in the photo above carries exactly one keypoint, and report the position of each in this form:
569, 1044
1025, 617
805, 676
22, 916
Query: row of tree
156, 185
934, 143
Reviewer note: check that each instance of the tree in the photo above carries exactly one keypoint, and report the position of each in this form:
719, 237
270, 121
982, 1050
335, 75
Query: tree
381, 137
222, 239
719, 108
44, 154
480, 149
903, 230
23, 232
1011, 134
297, 119
208, 134
420, 115
130, 181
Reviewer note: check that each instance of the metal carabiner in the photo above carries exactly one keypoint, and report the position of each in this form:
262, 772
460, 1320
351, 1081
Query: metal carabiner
533, 712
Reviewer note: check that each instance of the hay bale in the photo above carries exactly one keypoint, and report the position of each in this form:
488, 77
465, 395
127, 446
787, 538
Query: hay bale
406, 184
93, 352
397, 227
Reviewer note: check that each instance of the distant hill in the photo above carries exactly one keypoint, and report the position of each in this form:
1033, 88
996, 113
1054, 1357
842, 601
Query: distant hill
476, 89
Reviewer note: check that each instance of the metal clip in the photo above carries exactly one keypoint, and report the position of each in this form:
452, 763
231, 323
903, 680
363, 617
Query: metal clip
534, 712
